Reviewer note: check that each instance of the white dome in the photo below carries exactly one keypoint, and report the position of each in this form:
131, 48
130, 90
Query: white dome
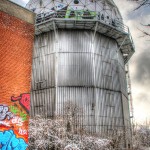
106, 7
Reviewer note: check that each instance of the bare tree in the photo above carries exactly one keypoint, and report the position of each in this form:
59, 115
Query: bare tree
141, 136
145, 27
73, 117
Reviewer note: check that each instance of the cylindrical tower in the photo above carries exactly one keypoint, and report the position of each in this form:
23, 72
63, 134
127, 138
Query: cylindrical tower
80, 51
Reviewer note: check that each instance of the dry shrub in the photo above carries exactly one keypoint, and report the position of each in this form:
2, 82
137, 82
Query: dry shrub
52, 134
141, 137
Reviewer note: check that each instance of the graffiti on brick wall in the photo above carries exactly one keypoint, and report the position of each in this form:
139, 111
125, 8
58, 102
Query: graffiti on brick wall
13, 121
17, 121
9, 141
5, 113
23, 131
15, 110
8, 116
24, 101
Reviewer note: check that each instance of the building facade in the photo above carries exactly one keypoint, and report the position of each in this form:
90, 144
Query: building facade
80, 51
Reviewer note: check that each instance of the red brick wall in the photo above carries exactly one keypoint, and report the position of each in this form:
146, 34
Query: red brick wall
16, 44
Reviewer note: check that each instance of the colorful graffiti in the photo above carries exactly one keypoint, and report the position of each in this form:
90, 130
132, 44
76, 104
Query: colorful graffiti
15, 118
24, 101
4, 113
15, 110
9, 141
23, 131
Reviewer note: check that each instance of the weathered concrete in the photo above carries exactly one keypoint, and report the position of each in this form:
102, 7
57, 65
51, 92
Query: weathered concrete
17, 11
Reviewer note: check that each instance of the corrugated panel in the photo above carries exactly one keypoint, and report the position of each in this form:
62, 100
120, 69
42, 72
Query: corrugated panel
108, 108
44, 44
89, 74
115, 75
75, 41
103, 110
126, 110
43, 68
43, 72
98, 71
123, 81
71, 72
43, 102
82, 98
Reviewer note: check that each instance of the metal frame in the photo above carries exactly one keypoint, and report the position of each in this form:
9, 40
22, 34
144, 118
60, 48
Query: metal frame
113, 29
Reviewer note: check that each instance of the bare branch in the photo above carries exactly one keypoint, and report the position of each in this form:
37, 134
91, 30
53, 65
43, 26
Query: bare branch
146, 25
144, 32
142, 3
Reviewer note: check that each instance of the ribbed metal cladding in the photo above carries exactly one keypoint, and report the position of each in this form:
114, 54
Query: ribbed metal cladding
86, 69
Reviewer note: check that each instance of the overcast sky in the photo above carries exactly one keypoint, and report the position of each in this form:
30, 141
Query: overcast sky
140, 62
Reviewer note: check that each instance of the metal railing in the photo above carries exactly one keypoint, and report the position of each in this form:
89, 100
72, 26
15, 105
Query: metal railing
82, 15
131, 39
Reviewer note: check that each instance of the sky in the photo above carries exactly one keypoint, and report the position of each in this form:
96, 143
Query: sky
140, 62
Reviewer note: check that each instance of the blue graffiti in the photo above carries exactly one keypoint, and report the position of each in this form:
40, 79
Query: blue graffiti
9, 141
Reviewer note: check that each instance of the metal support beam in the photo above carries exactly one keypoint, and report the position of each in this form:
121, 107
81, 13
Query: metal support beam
122, 43
95, 30
55, 31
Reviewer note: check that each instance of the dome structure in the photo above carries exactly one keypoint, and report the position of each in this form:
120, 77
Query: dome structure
105, 7
80, 51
